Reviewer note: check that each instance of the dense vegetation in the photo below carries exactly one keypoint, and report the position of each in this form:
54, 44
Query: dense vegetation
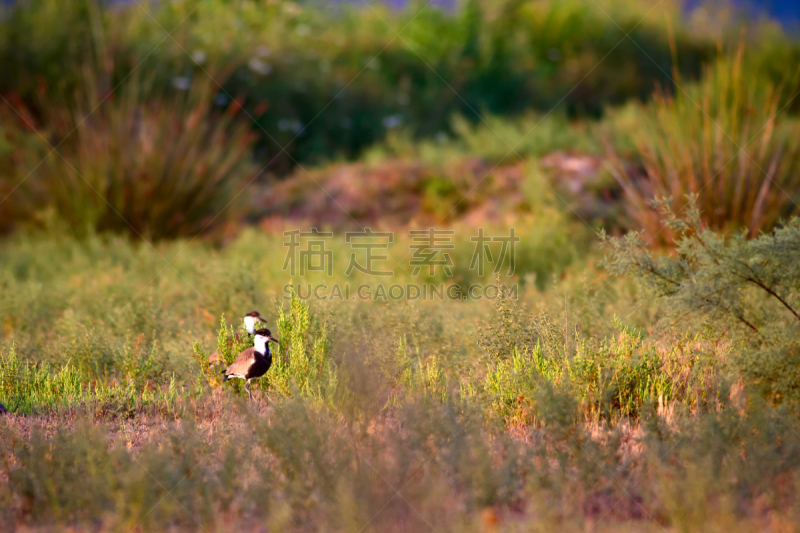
635, 369
497, 410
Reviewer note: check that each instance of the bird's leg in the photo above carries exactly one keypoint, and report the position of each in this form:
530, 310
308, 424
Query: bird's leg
247, 386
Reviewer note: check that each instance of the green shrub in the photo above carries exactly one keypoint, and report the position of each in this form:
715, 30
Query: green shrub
728, 141
743, 290
608, 378
230, 344
26, 386
496, 139
303, 359
414, 376
300, 363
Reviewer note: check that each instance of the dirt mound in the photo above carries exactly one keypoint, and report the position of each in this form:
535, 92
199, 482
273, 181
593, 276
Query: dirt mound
401, 192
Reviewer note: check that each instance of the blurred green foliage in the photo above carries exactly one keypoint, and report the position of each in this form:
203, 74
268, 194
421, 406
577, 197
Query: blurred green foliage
354, 71
665, 398
90, 87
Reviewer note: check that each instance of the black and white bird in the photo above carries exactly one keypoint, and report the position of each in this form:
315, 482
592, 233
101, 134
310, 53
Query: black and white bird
253, 362
251, 319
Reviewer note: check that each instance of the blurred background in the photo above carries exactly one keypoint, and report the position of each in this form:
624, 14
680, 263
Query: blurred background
185, 118
153, 153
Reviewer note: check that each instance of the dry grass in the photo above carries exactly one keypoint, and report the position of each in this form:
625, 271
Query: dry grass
235, 465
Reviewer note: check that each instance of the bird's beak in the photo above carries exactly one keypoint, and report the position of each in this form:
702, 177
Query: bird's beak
273, 339
262, 320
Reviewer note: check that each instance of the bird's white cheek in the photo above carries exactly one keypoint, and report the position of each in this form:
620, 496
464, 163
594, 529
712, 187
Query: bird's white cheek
261, 344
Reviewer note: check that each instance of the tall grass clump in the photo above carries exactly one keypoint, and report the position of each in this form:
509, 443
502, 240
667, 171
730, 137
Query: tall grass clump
726, 140
153, 167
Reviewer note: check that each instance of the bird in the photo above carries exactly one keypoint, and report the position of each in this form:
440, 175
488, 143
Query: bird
253, 362
250, 321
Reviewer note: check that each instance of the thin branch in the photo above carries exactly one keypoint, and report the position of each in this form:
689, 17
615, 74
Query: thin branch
773, 293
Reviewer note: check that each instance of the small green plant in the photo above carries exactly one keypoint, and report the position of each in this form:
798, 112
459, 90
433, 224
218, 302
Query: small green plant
511, 384
26, 387
302, 362
230, 344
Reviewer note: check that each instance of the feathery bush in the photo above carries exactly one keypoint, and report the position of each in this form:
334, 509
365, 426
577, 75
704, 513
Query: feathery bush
745, 290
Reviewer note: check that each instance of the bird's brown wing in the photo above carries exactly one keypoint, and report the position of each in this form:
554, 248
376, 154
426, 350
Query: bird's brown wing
242, 363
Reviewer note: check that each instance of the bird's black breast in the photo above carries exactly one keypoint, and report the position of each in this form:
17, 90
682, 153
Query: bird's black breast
260, 366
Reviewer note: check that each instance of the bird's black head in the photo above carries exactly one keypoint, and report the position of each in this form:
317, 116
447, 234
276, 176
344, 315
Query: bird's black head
256, 315
262, 338
265, 333
250, 320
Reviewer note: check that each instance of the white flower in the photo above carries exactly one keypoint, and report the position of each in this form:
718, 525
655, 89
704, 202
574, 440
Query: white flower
199, 57
392, 121
182, 83
259, 66
294, 125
